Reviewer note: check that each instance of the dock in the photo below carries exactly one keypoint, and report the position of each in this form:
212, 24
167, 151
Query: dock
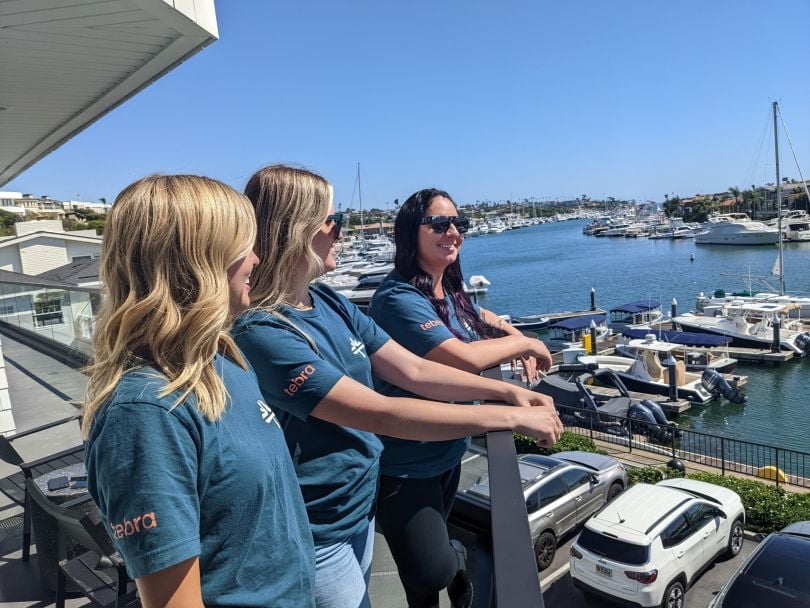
760, 355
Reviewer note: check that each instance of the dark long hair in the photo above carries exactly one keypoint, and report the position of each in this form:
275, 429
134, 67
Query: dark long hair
406, 231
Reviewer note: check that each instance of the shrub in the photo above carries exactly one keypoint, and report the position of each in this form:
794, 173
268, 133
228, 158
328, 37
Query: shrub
568, 442
645, 474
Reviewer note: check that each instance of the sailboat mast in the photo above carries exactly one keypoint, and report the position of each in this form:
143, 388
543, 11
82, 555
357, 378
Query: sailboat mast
778, 202
360, 197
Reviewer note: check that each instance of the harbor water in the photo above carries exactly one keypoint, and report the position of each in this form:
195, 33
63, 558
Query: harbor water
552, 267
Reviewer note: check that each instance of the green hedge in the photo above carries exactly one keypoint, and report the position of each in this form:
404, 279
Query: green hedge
568, 442
767, 508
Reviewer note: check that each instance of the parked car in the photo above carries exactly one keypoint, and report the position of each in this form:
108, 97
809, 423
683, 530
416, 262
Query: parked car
561, 492
774, 575
647, 546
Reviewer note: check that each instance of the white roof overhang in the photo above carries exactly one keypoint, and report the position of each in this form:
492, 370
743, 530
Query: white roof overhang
66, 63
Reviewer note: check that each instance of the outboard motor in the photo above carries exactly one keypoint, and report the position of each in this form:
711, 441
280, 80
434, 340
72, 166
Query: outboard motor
656, 411
714, 382
669, 428
803, 342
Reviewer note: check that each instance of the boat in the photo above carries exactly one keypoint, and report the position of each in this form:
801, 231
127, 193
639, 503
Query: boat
569, 333
478, 285
645, 373
698, 351
751, 325
736, 229
529, 322
797, 230
641, 312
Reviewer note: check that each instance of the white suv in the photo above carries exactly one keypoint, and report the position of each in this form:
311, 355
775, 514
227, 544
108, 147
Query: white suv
649, 544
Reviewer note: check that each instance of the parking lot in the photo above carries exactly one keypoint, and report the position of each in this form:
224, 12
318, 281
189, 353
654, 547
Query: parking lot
559, 590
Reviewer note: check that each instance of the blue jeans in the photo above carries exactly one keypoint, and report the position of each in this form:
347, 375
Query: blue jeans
342, 571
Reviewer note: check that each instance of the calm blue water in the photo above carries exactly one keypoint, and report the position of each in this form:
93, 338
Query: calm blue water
552, 267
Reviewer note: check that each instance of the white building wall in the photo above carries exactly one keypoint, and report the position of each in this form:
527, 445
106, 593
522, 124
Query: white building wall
10, 259
22, 228
42, 254
78, 250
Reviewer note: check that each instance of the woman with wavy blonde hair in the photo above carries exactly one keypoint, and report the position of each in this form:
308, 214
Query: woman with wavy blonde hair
314, 354
175, 423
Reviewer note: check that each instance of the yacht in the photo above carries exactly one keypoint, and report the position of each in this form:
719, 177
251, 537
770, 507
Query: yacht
751, 325
736, 229
797, 230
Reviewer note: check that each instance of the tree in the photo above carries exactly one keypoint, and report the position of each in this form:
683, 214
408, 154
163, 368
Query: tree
736, 192
7, 221
671, 205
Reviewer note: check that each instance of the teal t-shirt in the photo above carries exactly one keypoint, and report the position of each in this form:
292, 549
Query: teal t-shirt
410, 319
171, 485
337, 467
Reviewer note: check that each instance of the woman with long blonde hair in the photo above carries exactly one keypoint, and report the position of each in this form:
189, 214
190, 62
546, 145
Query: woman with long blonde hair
314, 354
187, 464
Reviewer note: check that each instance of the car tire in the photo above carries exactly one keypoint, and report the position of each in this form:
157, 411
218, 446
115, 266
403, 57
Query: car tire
735, 538
615, 489
673, 596
544, 549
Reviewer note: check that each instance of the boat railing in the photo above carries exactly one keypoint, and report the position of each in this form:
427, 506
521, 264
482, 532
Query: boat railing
780, 465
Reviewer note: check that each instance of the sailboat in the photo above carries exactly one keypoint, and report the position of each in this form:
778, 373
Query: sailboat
772, 293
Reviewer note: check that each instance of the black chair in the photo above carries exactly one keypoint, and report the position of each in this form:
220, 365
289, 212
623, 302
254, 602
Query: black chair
99, 573
13, 486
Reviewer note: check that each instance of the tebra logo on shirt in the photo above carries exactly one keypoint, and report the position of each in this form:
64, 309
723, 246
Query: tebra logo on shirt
358, 348
268, 415
298, 381
136, 524
431, 324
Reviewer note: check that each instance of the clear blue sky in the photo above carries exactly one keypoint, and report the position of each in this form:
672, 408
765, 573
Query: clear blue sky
486, 99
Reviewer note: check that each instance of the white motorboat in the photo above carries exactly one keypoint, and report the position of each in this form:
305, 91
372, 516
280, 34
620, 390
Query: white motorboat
797, 230
751, 325
736, 229
698, 351
709, 304
645, 373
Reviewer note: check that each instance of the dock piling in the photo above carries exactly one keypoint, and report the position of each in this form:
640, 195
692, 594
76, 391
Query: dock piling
775, 347
593, 298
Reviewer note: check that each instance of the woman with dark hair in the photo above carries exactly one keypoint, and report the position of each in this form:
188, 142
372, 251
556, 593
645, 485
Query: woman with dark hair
422, 305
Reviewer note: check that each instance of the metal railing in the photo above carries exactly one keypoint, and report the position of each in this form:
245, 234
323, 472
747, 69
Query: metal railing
767, 462
505, 564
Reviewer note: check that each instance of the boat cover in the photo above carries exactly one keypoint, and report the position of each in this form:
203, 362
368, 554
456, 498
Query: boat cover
636, 307
578, 322
678, 337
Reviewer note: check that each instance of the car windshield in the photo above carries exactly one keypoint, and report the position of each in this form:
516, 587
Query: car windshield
613, 548
776, 578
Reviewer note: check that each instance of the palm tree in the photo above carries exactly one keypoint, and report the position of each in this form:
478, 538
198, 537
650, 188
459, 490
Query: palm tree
736, 192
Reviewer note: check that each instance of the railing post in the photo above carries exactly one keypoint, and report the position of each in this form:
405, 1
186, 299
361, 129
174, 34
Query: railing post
723, 456
776, 472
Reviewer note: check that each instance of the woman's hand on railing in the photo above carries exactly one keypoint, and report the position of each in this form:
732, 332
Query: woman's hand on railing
543, 423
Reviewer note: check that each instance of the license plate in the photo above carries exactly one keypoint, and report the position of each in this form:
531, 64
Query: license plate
604, 571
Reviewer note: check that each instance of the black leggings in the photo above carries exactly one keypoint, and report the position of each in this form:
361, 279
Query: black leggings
412, 514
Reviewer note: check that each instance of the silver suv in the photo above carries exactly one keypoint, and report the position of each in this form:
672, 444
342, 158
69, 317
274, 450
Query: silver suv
561, 492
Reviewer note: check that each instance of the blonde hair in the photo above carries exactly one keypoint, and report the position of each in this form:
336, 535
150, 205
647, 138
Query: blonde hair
291, 205
168, 242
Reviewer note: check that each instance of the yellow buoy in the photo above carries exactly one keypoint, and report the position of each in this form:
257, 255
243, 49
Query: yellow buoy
771, 472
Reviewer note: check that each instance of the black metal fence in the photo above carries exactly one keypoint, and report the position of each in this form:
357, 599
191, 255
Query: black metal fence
767, 462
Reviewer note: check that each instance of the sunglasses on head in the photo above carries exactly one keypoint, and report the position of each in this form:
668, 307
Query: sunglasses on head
338, 219
441, 223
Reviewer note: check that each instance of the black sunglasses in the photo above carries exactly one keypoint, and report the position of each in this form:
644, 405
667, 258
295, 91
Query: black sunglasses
338, 219
441, 223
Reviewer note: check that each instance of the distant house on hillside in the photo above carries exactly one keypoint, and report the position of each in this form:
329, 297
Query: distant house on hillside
43, 245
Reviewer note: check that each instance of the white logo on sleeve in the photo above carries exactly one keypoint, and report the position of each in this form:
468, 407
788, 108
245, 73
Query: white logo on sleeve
358, 348
268, 415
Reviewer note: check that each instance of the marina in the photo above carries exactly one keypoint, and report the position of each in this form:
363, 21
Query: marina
553, 267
